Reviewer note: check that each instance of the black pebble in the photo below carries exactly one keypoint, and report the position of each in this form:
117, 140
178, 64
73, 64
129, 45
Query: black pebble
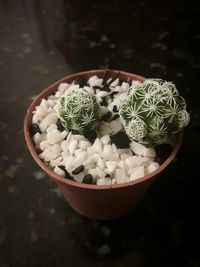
115, 109
67, 174
120, 139
80, 81
112, 80
91, 135
34, 128
87, 179
116, 116
104, 102
78, 170
106, 88
108, 175
59, 125
107, 116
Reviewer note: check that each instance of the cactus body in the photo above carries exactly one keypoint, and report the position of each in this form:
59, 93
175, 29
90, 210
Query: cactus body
78, 111
153, 112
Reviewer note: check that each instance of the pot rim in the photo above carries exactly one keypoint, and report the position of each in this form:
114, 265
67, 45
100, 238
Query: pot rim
56, 177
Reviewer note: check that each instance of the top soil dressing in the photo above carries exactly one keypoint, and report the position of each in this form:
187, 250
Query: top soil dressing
104, 155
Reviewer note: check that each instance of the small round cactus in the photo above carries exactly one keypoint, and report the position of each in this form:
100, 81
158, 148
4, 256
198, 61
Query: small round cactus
78, 111
153, 112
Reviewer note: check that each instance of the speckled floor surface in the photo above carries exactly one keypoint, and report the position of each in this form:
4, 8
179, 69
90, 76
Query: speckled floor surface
42, 41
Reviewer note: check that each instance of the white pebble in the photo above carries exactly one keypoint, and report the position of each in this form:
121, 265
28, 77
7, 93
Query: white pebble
103, 111
78, 151
90, 150
63, 134
64, 145
98, 146
37, 138
73, 146
84, 144
124, 156
59, 171
55, 162
79, 159
48, 120
152, 167
100, 172
104, 181
68, 160
105, 139
132, 162
54, 137
79, 177
44, 144
111, 165
138, 172
115, 83
35, 119
95, 81
125, 86
116, 125
63, 86
78, 137
140, 149
105, 128
100, 163
89, 89
90, 160
102, 94
51, 128
121, 176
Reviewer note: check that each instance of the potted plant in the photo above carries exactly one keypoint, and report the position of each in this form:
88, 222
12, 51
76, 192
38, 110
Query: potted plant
94, 134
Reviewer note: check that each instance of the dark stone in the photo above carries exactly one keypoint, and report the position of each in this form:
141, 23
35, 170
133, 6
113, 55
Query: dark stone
116, 116
108, 175
106, 88
107, 116
67, 174
120, 139
34, 128
91, 135
60, 127
87, 179
78, 170
115, 109
104, 102
80, 81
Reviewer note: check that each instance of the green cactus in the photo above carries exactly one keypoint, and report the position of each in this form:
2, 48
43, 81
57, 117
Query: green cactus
79, 110
153, 112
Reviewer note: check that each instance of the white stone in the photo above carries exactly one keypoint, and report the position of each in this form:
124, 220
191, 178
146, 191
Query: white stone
79, 159
104, 181
89, 89
40, 112
98, 146
35, 119
124, 156
90, 150
121, 164
116, 125
105, 139
114, 181
73, 145
55, 162
125, 86
93, 172
152, 167
84, 144
111, 165
37, 138
100, 164
79, 177
58, 94
68, 160
51, 102
78, 151
115, 83
55, 149
51, 128
54, 137
44, 144
137, 173
79, 137
64, 145
48, 120
121, 176
44, 104
96, 157
140, 149
95, 81
58, 171
131, 162
90, 160
102, 94
63, 86
100, 172
63, 134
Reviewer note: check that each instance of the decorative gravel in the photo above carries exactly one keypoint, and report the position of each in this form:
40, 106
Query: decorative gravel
104, 157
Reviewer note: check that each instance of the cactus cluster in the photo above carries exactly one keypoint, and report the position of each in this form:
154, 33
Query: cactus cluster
153, 112
79, 110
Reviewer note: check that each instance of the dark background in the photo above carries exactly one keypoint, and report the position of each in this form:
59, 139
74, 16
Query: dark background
43, 41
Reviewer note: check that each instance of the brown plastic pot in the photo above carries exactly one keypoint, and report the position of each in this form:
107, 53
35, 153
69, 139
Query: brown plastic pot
97, 202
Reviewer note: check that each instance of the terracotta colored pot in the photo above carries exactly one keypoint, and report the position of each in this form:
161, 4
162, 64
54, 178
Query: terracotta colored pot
98, 202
